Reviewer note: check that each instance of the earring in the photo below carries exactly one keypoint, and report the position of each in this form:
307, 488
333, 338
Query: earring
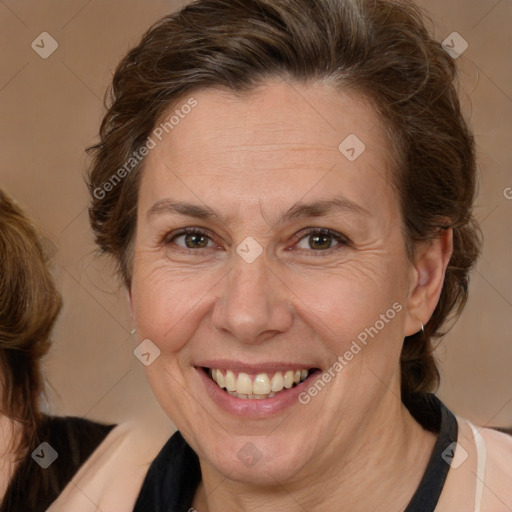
132, 332
422, 328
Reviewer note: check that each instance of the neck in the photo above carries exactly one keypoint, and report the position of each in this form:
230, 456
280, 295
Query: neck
379, 470
10, 434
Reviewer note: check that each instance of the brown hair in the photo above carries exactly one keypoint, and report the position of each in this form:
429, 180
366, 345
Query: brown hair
378, 48
29, 305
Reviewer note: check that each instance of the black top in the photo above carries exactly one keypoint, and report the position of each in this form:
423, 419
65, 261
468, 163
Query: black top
62, 446
173, 477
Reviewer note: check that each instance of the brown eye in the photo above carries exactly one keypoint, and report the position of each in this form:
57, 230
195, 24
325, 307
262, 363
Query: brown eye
321, 240
191, 239
195, 241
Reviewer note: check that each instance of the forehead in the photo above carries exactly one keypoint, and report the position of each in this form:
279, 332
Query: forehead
277, 140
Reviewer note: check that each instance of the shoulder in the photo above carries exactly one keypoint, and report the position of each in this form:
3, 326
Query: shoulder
111, 478
498, 454
480, 475
497, 493
498, 442
492, 467
79, 435
73, 423
61, 446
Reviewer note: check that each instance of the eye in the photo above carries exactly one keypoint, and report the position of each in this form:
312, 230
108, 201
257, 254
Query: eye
193, 239
321, 239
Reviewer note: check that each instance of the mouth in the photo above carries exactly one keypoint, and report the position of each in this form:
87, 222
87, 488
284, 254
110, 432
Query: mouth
258, 386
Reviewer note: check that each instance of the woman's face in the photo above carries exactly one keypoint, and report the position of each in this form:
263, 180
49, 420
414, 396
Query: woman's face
256, 289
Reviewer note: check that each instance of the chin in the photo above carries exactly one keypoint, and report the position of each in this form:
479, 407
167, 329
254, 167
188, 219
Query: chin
258, 460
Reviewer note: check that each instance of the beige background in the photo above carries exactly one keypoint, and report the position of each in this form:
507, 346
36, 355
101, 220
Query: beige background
50, 110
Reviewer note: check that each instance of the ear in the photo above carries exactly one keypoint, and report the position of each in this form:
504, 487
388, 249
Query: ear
426, 284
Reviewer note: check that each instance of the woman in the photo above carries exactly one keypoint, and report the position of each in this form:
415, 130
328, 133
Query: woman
39, 453
287, 187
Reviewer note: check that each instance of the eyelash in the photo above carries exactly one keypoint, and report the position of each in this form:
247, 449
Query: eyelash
341, 239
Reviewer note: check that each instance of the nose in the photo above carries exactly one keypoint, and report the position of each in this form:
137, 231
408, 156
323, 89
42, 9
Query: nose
254, 303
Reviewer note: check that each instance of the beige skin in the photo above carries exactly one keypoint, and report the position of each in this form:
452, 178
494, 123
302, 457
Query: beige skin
250, 158
10, 432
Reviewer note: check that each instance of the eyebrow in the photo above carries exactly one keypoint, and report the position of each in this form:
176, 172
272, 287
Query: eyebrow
297, 211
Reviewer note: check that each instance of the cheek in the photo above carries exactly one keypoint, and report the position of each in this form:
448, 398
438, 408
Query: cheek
165, 304
358, 290
362, 301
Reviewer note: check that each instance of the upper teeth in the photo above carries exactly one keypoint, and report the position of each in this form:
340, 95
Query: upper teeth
262, 384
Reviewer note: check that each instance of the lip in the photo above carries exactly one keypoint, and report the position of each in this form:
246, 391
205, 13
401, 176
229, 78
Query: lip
257, 408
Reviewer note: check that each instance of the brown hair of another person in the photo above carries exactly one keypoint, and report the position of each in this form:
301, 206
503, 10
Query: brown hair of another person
29, 306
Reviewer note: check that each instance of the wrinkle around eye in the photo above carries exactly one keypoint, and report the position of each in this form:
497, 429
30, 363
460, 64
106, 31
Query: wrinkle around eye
337, 240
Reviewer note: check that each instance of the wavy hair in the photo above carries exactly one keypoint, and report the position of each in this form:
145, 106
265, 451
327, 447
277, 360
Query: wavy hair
29, 306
